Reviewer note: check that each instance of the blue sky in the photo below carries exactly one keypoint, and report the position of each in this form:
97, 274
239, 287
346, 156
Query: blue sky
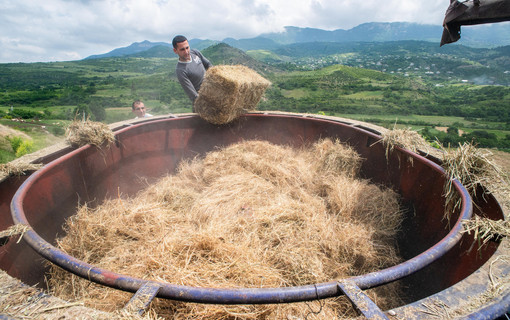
62, 30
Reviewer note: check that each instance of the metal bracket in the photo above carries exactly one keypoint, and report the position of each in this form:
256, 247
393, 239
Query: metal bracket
140, 301
361, 301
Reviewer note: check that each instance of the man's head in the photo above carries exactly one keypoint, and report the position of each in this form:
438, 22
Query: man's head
138, 108
181, 48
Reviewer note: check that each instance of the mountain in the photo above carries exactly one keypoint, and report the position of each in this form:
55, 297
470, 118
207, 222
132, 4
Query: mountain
257, 43
130, 50
370, 32
223, 53
148, 49
395, 31
158, 51
488, 35
481, 36
201, 44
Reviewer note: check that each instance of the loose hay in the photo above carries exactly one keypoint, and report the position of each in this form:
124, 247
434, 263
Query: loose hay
485, 229
229, 91
80, 133
404, 138
473, 167
14, 230
252, 215
18, 169
20, 301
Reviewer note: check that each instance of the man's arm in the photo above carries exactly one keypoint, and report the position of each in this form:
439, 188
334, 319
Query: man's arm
207, 64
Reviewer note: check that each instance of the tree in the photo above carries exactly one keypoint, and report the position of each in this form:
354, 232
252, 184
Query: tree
453, 130
82, 111
98, 111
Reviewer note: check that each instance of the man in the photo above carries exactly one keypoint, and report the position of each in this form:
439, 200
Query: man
139, 109
190, 68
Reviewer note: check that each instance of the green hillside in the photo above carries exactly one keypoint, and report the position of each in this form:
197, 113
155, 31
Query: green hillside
222, 53
406, 85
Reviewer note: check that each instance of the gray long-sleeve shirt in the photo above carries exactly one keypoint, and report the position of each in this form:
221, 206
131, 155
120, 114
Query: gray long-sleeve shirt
190, 74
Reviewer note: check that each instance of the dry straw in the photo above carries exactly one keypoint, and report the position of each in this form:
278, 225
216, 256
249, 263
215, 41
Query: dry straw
404, 138
14, 230
18, 168
473, 168
485, 229
251, 215
80, 133
229, 91
20, 301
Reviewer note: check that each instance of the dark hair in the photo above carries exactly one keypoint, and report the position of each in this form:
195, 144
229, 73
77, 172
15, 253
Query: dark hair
137, 102
178, 39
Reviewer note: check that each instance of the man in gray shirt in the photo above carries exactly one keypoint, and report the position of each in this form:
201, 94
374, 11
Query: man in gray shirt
190, 68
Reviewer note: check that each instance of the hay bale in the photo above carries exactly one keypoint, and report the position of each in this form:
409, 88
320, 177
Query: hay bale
252, 215
229, 91
81, 133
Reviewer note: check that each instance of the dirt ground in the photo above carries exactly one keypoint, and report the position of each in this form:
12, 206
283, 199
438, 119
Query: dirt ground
445, 129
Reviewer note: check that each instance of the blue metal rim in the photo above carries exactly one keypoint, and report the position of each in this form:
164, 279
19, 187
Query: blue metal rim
240, 295
493, 310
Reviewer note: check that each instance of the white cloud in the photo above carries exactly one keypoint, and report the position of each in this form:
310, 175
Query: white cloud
32, 30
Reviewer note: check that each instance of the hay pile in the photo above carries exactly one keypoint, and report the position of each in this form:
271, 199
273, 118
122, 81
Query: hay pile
80, 133
251, 215
229, 91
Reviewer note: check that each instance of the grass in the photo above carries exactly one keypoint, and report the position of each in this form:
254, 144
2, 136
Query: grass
112, 91
365, 95
264, 55
6, 156
295, 93
118, 114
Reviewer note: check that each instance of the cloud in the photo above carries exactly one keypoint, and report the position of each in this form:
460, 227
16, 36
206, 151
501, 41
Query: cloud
33, 30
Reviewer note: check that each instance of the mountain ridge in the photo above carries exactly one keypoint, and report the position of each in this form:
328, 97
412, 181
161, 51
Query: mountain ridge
483, 36
133, 48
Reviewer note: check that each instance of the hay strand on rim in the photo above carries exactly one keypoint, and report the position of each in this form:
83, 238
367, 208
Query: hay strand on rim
229, 91
18, 169
405, 138
14, 230
473, 167
251, 215
80, 133
485, 229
